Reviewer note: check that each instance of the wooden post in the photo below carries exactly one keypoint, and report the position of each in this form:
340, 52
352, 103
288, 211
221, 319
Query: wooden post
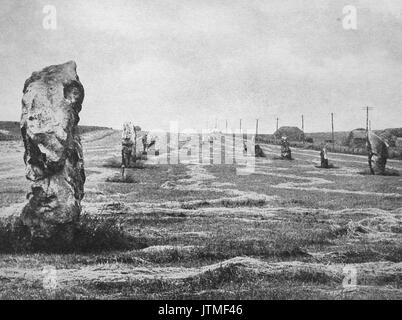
333, 135
367, 118
256, 127
123, 172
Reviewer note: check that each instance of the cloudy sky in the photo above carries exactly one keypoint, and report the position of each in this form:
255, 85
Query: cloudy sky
194, 61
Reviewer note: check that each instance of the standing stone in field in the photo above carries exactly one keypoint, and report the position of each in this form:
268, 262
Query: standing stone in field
324, 157
127, 144
259, 153
377, 150
53, 153
286, 153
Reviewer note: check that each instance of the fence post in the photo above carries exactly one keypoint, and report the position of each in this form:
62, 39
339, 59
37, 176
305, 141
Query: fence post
123, 172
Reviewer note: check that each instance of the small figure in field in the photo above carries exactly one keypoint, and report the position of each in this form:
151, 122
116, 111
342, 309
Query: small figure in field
286, 153
377, 150
324, 157
127, 145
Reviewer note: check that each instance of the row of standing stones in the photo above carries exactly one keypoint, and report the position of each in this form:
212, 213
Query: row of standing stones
52, 100
377, 150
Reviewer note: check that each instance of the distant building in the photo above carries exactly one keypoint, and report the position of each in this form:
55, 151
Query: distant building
357, 138
391, 135
398, 143
292, 133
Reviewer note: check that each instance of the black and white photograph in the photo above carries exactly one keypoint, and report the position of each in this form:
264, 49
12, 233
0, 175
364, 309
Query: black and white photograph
200, 150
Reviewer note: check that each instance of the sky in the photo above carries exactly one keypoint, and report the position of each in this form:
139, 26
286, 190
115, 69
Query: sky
198, 62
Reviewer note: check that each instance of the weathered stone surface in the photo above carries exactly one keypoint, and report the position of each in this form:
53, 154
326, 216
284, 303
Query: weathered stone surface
127, 144
259, 153
324, 157
53, 153
378, 153
286, 153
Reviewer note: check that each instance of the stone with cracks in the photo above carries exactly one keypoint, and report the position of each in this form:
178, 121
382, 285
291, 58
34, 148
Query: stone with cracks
127, 144
286, 153
377, 152
51, 102
259, 153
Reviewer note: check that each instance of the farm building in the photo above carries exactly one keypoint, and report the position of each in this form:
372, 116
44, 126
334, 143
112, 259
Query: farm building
398, 143
292, 133
391, 136
356, 138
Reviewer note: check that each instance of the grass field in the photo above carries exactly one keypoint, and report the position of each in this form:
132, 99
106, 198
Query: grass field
287, 230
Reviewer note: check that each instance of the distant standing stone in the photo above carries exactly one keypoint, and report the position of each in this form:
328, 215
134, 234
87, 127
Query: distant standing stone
53, 153
377, 150
324, 157
286, 153
259, 153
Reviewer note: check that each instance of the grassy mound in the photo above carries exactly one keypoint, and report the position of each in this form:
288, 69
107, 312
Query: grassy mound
387, 173
116, 164
92, 234
119, 179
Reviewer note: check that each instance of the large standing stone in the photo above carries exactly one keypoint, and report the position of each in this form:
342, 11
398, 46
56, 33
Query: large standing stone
53, 153
259, 153
377, 153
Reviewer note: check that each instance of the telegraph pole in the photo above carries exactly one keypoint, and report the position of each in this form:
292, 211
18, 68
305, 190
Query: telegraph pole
332, 126
302, 123
226, 126
256, 127
368, 126
277, 127
240, 125
367, 117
